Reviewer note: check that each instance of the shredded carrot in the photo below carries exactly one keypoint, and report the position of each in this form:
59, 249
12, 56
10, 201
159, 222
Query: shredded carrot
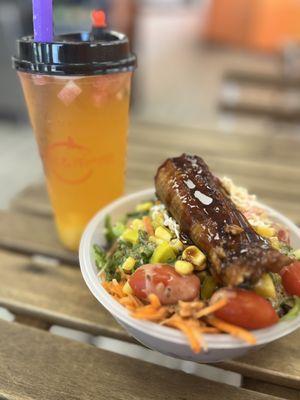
123, 275
208, 329
118, 288
114, 288
107, 286
187, 309
189, 328
151, 314
137, 302
148, 225
211, 309
128, 303
154, 300
232, 329
149, 309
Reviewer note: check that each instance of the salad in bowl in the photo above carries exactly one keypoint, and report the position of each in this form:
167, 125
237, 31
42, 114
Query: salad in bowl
200, 256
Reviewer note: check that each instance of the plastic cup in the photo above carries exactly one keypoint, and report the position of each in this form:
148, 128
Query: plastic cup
77, 92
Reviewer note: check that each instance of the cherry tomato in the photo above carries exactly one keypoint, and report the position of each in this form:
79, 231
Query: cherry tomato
165, 282
290, 276
245, 309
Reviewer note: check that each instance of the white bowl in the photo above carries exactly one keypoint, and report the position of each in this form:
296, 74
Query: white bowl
163, 339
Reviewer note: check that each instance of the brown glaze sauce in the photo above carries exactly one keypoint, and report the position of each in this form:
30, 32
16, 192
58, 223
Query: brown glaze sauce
220, 211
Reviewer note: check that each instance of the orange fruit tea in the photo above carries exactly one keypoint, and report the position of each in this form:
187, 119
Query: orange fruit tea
80, 124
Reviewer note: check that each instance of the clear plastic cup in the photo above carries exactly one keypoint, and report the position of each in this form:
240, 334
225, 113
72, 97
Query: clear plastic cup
79, 113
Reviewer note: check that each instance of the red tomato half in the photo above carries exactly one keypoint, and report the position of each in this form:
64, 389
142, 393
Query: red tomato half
165, 282
290, 276
245, 309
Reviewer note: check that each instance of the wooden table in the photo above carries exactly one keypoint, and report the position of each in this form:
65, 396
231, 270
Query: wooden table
40, 283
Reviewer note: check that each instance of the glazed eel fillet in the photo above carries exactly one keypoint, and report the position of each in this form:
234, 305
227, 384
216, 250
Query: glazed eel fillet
201, 206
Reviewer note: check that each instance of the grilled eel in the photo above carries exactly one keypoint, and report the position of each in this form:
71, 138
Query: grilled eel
201, 206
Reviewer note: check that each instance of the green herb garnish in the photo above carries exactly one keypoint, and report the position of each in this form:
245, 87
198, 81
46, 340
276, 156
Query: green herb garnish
286, 249
112, 232
141, 252
99, 257
137, 214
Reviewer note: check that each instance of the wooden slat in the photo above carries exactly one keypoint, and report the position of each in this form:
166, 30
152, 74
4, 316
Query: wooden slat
281, 202
275, 183
279, 147
271, 167
276, 112
58, 295
271, 389
256, 79
36, 365
278, 362
261, 95
267, 164
33, 322
53, 294
31, 234
34, 200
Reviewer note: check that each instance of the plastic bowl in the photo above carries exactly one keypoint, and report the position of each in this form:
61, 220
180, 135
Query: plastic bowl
163, 339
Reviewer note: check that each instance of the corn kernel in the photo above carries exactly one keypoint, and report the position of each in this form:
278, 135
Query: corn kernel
184, 267
264, 230
265, 287
130, 235
156, 240
144, 206
152, 239
158, 220
163, 233
163, 254
137, 224
127, 289
128, 264
194, 256
297, 254
275, 242
177, 245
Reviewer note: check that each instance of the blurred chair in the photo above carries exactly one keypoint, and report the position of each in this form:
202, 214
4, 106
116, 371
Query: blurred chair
275, 96
269, 26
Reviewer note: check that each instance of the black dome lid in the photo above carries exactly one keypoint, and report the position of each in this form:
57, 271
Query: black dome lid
75, 54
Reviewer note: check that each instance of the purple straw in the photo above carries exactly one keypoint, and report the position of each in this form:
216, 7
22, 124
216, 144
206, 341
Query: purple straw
43, 20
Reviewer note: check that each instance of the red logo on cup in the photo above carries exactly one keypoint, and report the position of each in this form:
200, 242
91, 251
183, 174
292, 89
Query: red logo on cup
71, 162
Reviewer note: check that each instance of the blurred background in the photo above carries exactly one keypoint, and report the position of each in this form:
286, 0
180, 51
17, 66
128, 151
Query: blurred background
229, 65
